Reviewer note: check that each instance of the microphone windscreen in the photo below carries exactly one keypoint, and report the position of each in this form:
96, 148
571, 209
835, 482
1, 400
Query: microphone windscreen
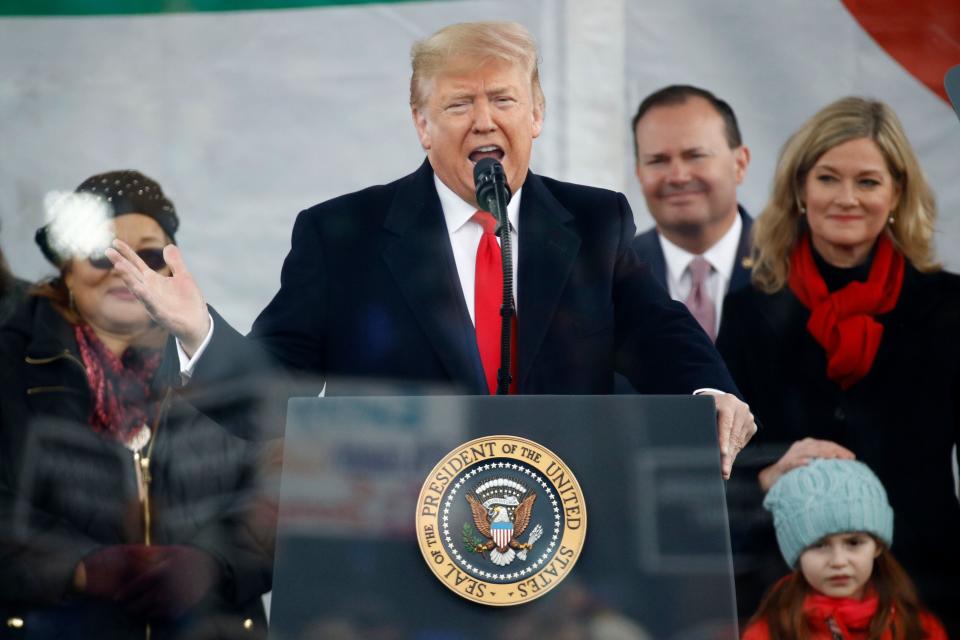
484, 167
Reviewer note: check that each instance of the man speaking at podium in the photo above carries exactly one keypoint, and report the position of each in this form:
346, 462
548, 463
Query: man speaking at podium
401, 282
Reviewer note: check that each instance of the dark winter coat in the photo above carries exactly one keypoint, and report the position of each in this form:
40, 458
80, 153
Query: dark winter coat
902, 419
66, 491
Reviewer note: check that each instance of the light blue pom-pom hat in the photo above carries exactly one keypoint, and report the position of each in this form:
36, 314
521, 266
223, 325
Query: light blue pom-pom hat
826, 497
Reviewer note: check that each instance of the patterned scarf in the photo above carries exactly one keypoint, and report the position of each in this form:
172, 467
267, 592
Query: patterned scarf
122, 400
843, 322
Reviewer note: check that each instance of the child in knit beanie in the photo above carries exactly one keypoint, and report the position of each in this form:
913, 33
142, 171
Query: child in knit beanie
834, 526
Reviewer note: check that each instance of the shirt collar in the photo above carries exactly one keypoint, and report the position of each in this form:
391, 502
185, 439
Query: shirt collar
458, 212
721, 255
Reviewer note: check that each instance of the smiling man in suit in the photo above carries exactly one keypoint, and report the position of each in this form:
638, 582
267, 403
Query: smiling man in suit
690, 158
389, 283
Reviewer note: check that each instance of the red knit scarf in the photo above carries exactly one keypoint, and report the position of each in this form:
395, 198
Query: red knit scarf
843, 322
852, 617
120, 385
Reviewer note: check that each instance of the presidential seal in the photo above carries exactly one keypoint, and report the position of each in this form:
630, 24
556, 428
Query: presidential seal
501, 520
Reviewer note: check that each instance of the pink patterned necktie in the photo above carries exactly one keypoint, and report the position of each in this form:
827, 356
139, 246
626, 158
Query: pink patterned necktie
699, 302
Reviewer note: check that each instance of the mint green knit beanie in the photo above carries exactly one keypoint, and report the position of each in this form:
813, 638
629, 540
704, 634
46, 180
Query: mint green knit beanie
827, 497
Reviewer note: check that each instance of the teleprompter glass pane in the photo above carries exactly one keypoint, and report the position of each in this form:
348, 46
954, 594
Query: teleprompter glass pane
655, 561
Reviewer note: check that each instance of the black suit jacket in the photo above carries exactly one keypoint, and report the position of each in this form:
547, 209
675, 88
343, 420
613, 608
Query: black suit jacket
648, 248
370, 290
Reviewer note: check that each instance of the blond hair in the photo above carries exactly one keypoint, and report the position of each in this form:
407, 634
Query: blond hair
479, 41
780, 225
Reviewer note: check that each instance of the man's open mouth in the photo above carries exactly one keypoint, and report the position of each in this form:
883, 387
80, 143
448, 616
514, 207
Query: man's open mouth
487, 151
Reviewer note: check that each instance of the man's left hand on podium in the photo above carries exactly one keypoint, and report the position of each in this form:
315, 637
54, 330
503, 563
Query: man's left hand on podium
735, 427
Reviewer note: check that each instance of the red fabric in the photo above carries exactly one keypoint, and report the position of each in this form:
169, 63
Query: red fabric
120, 386
488, 298
932, 627
843, 322
925, 40
852, 618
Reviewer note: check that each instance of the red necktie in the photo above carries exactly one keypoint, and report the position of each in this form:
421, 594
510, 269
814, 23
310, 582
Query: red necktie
488, 297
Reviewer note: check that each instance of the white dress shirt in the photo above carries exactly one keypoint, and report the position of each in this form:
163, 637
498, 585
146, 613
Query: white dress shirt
465, 238
722, 257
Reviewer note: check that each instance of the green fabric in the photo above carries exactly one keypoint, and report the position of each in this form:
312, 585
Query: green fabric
133, 7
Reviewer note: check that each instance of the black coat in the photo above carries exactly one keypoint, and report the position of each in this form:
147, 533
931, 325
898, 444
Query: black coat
370, 290
902, 419
12, 291
66, 491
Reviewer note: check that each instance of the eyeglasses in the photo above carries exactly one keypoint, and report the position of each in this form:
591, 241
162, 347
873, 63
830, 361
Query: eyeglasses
152, 257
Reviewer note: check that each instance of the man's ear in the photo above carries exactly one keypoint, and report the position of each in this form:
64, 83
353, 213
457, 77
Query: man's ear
537, 120
420, 122
741, 159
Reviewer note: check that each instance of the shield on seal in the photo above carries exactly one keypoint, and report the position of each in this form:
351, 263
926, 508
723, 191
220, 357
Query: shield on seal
502, 533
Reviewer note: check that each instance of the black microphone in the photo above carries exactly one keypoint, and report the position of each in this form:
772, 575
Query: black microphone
493, 192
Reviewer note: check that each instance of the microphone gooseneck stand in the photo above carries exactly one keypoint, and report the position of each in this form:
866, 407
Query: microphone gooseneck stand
493, 194
507, 308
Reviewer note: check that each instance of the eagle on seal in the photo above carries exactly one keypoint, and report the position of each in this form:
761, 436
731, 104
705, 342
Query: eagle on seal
502, 532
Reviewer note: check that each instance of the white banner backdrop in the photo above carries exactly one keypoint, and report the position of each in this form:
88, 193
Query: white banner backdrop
247, 117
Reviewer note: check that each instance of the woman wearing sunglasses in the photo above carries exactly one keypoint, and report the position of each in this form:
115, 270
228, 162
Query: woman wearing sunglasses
123, 511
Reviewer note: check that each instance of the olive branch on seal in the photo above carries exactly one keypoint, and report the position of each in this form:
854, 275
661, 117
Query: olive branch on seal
471, 538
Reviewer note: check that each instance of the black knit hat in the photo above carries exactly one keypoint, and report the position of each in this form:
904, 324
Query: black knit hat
125, 191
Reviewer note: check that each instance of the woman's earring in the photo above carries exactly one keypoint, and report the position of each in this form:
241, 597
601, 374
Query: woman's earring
73, 306
890, 221
803, 210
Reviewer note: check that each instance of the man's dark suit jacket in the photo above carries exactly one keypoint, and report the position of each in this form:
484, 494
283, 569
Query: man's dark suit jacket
648, 248
370, 291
